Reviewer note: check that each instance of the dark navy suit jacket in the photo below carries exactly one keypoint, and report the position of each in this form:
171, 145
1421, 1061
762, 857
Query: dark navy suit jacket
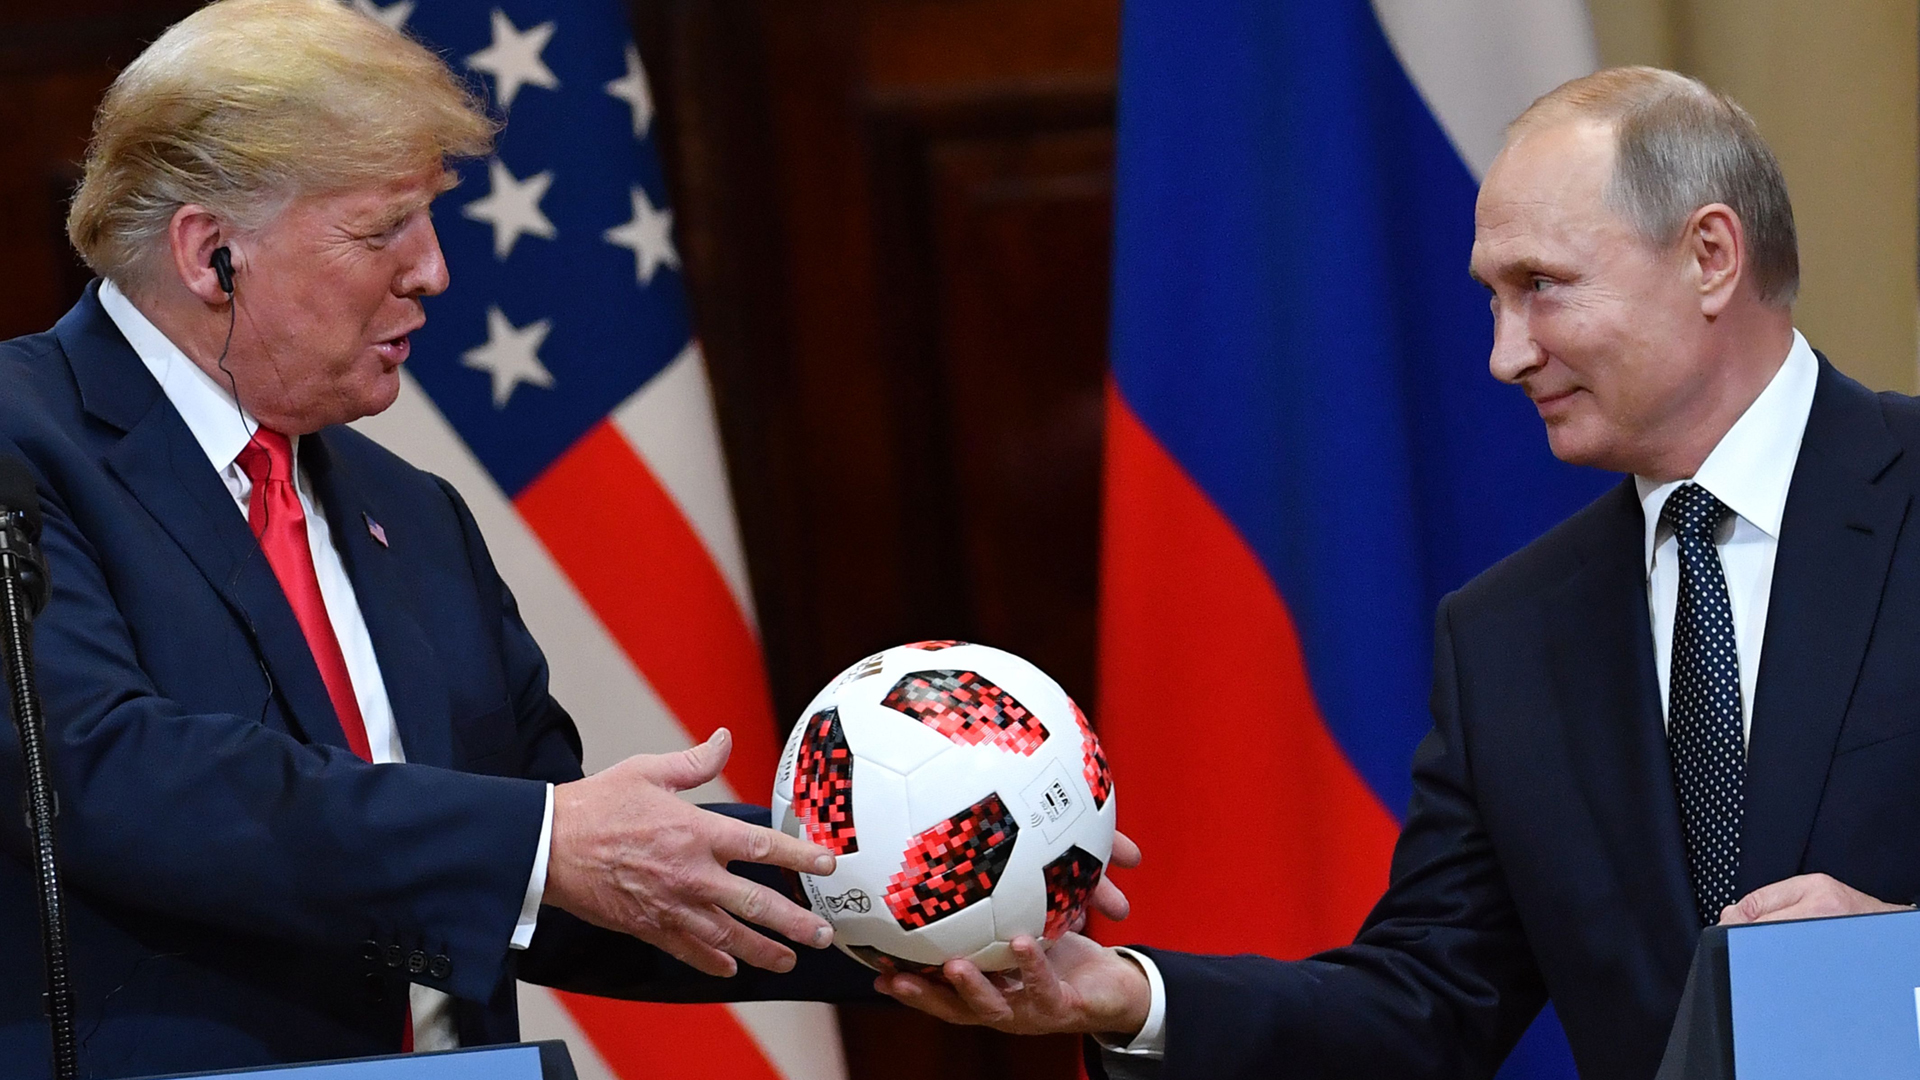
242, 889
1542, 854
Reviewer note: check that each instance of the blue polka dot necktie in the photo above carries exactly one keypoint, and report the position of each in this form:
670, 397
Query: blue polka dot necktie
1703, 704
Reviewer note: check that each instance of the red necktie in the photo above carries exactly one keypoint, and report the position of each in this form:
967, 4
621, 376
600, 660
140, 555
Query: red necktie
279, 523
281, 527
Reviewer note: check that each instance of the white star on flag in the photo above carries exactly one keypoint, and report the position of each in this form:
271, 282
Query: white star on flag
514, 58
512, 207
511, 355
395, 14
632, 88
649, 236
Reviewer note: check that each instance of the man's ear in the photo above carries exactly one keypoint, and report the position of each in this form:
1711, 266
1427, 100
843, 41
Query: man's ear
1715, 247
193, 235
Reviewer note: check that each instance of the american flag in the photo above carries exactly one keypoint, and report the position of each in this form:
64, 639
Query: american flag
558, 387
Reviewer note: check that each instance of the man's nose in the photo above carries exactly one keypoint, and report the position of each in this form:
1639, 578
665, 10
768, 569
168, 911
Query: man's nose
1515, 354
426, 273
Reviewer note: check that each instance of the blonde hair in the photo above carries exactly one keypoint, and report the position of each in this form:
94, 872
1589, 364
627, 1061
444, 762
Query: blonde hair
1679, 146
246, 104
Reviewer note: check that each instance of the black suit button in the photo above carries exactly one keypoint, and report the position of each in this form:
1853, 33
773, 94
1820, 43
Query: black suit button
442, 967
375, 986
416, 962
396, 956
370, 951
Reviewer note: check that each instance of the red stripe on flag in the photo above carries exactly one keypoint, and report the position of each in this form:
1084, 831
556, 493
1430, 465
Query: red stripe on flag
640, 566
1258, 835
643, 1041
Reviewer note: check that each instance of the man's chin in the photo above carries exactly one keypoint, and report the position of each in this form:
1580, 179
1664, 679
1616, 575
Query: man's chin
1577, 443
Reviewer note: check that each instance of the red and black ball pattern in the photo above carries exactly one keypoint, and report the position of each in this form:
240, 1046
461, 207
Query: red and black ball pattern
1070, 882
967, 708
953, 865
1093, 761
823, 784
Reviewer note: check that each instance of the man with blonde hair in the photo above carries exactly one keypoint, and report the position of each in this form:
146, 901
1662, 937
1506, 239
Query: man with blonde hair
316, 799
1690, 703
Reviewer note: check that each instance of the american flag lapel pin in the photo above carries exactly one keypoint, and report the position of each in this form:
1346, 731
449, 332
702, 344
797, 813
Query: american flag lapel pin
374, 530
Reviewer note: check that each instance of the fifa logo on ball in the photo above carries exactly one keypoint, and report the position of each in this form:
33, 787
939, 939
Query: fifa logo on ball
959, 786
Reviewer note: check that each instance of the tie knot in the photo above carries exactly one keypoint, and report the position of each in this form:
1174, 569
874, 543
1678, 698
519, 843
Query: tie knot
1693, 511
267, 456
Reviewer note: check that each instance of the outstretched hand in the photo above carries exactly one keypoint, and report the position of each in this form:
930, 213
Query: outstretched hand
1075, 986
629, 855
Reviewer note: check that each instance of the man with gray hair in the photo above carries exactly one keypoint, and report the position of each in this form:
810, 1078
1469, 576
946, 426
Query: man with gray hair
1692, 702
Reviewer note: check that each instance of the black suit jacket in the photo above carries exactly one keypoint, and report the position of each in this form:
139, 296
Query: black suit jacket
243, 889
1542, 855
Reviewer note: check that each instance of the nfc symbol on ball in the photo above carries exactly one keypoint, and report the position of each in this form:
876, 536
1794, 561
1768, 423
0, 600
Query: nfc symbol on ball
853, 900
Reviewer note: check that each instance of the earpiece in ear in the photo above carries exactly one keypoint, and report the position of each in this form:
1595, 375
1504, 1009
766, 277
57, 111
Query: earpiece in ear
222, 264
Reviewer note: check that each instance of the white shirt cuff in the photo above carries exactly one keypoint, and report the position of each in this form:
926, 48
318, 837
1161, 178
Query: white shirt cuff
537, 884
1151, 1043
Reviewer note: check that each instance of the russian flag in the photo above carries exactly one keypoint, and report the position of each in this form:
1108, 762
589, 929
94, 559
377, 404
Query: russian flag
1305, 448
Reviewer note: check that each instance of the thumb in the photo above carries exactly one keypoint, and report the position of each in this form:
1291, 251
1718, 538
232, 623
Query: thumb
695, 765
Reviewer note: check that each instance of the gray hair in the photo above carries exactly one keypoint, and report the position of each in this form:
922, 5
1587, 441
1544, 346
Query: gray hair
1679, 146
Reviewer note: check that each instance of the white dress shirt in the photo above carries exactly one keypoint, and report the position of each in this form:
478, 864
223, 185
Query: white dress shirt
1749, 470
223, 429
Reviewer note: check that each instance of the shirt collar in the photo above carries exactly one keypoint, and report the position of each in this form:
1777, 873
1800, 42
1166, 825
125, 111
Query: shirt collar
219, 424
1752, 467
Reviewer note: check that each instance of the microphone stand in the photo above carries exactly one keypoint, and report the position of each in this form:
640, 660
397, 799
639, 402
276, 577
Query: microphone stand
18, 560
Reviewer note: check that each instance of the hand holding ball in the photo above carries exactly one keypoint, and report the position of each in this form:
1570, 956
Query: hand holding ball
965, 796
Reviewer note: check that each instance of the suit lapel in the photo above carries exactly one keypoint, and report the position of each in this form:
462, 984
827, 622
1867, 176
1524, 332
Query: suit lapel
418, 697
164, 469
1600, 653
1837, 536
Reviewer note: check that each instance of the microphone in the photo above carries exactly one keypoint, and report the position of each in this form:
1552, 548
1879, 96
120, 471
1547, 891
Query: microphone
20, 534
23, 595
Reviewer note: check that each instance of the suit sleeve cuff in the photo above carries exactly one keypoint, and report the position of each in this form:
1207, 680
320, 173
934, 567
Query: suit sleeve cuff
1151, 1043
537, 883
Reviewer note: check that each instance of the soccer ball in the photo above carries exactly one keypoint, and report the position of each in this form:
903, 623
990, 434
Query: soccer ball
965, 796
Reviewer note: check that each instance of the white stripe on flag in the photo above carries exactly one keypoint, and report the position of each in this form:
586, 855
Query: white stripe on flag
618, 712
800, 1038
671, 424
1480, 63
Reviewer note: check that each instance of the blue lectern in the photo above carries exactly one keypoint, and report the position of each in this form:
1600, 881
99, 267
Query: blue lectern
1810, 998
524, 1061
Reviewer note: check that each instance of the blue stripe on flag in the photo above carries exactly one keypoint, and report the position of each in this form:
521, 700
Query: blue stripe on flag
609, 333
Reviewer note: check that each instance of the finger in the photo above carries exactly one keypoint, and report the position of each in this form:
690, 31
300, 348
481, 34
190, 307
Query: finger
1126, 853
1037, 975
1766, 901
697, 954
1109, 901
977, 993
693, 766
727, 934
755, 903
738, 841
928, 997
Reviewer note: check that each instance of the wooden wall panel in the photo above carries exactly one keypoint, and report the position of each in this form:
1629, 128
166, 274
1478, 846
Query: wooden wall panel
897, 218
55, 62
